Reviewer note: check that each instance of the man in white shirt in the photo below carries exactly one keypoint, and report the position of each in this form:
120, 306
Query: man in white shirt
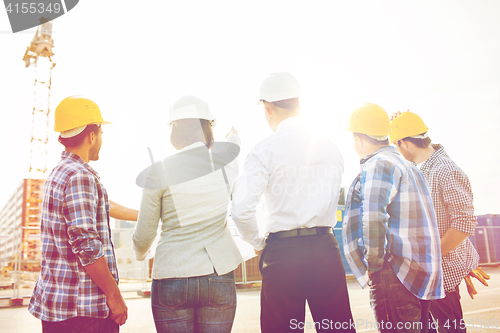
299, 173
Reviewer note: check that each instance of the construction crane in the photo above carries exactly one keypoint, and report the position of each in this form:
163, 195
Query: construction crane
20, 246
38, 55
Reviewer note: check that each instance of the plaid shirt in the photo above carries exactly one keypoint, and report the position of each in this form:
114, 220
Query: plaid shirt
389, 216
452, 198
74, 233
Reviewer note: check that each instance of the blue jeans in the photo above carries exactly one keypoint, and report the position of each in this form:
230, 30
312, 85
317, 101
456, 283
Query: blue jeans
394, 307
196, 304
81, 325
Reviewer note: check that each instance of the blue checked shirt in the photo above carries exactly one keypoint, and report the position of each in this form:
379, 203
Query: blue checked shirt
389, 216
75, 233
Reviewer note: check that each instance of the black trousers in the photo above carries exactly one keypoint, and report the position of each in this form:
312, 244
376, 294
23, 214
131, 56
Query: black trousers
447, 313
81, 325
297, 269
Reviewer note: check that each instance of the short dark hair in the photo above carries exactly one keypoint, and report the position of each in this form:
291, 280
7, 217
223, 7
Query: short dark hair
78, 139
187, 131
419, 143
287, 104
371, 140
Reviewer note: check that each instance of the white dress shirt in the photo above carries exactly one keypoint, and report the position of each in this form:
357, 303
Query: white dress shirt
298, 172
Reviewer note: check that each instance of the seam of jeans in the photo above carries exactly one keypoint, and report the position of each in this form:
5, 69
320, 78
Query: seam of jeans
198, 290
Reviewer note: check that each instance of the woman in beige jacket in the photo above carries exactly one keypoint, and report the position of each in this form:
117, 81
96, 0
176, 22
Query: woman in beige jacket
193, 287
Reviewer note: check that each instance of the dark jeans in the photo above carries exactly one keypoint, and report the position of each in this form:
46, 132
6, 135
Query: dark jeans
447, 313
394, 307
297, 269
81, 325
196, 304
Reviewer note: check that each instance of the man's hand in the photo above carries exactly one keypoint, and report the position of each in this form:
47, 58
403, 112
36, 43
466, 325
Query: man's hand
395, 115
118, 309
479, 274
232, 131
99, 272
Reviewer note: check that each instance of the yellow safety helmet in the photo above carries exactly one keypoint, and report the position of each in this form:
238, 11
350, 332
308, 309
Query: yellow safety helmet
370, 119
76, 111
407, 124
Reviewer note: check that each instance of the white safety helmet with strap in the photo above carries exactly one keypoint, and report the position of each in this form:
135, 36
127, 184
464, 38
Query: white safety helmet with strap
279, 86
190, 107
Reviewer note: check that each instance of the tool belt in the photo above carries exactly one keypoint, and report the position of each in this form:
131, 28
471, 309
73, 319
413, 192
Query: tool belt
316, 231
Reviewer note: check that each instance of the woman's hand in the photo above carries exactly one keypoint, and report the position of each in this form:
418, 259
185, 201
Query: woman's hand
232, 131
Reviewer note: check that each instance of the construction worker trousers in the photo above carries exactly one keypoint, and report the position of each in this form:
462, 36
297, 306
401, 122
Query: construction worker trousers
299, 269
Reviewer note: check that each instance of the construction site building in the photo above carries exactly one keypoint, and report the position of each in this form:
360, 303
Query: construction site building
20, 228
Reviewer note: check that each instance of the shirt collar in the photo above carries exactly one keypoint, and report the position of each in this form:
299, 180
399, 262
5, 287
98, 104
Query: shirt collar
390, 149
288, 121
193, 146
438, 152
79, 160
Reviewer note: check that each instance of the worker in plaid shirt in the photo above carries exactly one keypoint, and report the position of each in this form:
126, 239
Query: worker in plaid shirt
452, 198
77, 290
391, 240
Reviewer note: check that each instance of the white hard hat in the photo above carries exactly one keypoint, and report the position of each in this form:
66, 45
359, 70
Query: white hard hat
190, 107
279, 86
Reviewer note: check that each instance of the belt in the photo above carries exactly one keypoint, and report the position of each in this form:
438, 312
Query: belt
301, 232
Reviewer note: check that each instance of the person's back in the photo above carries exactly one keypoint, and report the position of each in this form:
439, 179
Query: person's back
193, 287
453, 202
406, 225
78, 282
299, 174
192, 201
305, 172
391, 241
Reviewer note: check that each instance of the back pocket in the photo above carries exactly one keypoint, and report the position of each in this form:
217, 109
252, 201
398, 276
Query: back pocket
172, 293
222, 291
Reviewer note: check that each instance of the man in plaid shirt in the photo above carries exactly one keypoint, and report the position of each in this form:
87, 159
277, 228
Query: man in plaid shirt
452, 198
77, 289
391, 240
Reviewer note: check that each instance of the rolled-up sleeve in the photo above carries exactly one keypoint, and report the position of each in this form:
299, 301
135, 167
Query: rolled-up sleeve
457, 195
80, 210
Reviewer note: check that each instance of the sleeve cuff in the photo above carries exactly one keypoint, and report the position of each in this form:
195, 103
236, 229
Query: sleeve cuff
89, 257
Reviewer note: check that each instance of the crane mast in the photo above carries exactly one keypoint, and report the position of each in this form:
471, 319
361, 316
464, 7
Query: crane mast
39, 55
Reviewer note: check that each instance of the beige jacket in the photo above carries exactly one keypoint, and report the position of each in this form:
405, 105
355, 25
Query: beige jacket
195, 239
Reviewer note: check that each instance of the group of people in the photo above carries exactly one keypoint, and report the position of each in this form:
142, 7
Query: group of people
408, 215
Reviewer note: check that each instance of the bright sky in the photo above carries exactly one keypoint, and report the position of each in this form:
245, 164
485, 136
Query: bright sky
439, 59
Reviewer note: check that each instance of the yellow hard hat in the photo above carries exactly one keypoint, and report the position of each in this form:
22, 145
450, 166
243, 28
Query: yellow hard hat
76, 111
405, 125
370, 119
